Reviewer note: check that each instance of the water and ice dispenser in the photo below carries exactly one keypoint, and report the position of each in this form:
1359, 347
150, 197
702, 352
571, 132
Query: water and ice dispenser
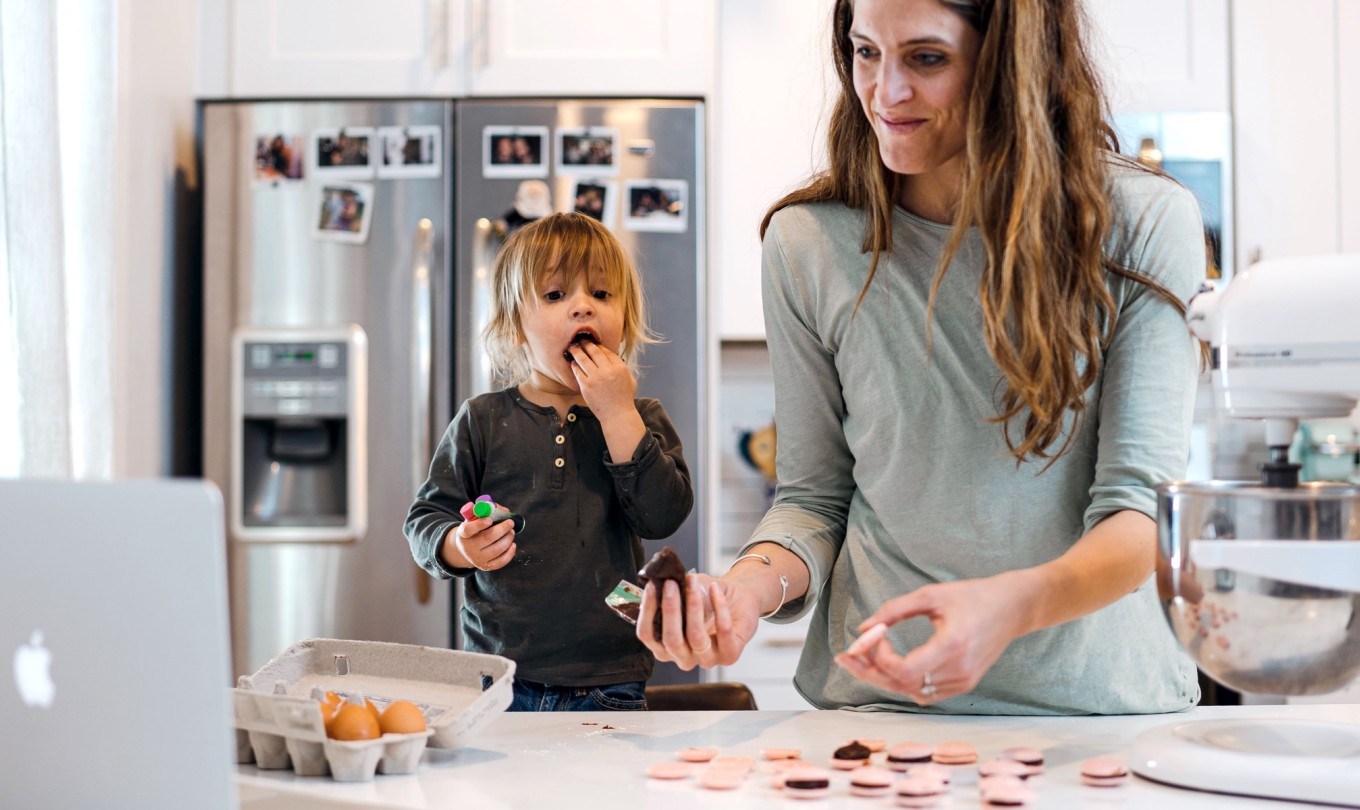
299, 434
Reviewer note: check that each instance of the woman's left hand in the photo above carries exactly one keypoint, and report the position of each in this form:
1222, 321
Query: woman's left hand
974, 620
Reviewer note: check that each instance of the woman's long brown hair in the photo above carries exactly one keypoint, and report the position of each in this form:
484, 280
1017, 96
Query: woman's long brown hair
1036, 185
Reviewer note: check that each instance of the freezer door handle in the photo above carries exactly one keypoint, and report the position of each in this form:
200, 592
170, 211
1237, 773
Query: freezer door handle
422, 339
485, 243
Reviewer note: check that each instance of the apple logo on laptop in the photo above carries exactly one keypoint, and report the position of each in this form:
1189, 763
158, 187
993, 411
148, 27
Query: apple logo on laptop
33, 672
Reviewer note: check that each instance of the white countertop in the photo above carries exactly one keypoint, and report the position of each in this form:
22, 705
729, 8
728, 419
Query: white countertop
592, 760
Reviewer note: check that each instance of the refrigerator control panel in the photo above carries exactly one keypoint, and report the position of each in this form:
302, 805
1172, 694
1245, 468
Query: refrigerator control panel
295, 379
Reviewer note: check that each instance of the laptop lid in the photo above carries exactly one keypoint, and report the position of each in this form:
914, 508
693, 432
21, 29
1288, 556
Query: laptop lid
115, 644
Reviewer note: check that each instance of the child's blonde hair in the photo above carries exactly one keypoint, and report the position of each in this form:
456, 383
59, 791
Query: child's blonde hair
571, 244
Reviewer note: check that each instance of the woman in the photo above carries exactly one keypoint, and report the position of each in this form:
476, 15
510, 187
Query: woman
975, 320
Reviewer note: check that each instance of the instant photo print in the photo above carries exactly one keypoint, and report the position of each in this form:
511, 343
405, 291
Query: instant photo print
589, 151
594, 198
409, 151
656, 205
345, 152
514, 151
278, 158
343, 212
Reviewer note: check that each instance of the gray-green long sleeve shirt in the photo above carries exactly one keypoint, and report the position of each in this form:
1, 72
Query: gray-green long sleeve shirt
891, 477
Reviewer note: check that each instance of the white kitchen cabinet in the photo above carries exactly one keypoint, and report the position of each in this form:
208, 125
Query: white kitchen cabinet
773, 92
591, 47
1348, 122
1160, 56
345, 48
1287, 146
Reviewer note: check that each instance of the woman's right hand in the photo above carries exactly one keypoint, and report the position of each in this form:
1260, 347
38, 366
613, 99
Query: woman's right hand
719, 619
483, 544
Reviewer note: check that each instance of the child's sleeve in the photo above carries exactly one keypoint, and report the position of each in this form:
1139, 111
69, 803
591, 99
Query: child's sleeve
654, 486
453, 480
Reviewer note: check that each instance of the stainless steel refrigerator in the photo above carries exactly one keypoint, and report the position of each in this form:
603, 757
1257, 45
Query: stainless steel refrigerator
346, 247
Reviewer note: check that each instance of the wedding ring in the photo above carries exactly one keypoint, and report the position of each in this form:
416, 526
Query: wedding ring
927, 687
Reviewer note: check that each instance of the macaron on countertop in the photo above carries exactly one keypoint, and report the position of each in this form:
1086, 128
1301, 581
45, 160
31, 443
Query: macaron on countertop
577, 761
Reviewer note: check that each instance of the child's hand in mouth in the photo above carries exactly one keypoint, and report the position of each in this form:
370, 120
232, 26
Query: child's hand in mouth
578, 339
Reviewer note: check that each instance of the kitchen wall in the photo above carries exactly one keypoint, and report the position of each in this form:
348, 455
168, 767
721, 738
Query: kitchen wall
153, 290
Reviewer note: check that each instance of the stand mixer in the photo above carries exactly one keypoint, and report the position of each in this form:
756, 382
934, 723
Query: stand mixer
1261, 580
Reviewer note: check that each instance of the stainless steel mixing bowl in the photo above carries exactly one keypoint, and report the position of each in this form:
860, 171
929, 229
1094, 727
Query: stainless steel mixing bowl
1251, 629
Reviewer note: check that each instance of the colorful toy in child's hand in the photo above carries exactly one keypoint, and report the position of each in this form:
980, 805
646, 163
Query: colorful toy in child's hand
484, 506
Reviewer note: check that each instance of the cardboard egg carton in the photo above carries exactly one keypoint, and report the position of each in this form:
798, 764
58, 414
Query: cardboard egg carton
279, 722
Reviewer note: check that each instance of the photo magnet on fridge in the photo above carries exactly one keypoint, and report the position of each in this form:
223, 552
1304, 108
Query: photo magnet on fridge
343, 212
514, 151
346, 152
588, 151
409, 151
655, 205
594, 198
278, 159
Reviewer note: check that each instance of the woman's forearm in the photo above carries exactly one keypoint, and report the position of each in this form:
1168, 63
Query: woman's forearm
763, 580
1107, 563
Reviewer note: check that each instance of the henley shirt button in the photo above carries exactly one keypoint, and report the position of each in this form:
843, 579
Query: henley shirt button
558, 462
560, 438
571, 417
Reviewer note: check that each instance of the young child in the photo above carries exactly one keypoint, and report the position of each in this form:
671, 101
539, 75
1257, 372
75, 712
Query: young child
591, 469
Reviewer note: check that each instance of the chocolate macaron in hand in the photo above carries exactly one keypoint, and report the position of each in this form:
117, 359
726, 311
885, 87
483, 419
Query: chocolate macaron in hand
664, 565
580, 337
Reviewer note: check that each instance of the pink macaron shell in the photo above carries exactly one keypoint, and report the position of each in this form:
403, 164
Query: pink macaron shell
696, 754
920, 791
1104, 768
669, 770
1003, 767
737, 763
774, 754
1032, 757
870, 782
906, 754
811, 774
848, 764
930, 770
1004, 791
954, 753
721, 779
1103, 781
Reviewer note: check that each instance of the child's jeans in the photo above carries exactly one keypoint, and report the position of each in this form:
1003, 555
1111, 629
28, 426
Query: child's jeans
541, 697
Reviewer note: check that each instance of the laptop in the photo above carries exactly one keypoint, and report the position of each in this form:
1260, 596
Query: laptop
114, 634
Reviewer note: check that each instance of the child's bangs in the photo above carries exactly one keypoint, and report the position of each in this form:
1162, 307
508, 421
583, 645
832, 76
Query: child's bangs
575, 252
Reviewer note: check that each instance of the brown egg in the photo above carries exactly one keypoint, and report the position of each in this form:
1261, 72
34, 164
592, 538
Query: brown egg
353, 722
401, 717
368, 704
327, 712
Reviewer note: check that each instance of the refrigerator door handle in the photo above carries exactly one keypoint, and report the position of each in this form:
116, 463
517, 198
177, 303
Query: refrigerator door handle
422, 338
483, 251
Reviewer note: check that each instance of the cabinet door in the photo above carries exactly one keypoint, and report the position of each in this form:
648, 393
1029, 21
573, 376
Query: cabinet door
1162, 55
340, 48
1285, 144
591, 47
769, 130
1348, 95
